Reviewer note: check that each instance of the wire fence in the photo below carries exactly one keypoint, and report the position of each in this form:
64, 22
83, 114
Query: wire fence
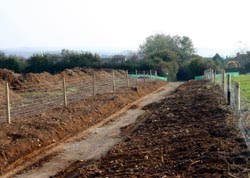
32, 99
231, 91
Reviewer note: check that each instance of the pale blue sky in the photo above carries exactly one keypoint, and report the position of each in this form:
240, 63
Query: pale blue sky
222, 25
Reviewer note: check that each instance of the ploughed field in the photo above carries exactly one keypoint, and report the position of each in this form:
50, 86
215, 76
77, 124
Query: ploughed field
188, 134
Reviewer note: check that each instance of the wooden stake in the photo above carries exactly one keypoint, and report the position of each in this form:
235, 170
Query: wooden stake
223, 81
228, 89
150, 73
113, 80
127, 76
205, 74
65, 93
155, 74
214, 76
8, 103
94, 85
136, 79
237, 99
144, 77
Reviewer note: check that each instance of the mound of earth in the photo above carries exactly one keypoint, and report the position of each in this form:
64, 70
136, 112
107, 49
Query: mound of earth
30, 82
23, 82
189, 134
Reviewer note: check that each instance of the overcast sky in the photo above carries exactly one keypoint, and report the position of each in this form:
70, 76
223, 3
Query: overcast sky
221, 25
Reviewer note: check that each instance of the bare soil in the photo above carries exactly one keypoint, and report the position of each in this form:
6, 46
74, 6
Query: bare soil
188, 134
29, 135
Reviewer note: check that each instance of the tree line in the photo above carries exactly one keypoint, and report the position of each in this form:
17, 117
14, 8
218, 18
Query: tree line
172, 56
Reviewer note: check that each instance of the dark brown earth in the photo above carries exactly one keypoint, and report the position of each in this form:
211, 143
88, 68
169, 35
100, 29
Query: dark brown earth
188, 134
25, 136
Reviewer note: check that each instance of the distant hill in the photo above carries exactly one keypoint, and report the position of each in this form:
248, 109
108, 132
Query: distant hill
26, 52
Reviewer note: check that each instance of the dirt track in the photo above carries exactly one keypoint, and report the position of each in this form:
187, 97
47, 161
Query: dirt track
188, 134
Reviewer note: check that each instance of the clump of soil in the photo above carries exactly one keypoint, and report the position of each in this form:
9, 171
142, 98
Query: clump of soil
10, 77
29, 134
189, 134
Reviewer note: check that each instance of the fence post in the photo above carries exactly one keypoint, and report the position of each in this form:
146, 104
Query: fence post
237, 99
211, 75
207, 74
136, 77
223, 81
228, 89
214, 76
113, 80
65, 93
7, 103
144, 79
94, 84
150, 73
155, 74
127, 76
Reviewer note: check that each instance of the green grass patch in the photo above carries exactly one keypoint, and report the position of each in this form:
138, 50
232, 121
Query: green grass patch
244, 86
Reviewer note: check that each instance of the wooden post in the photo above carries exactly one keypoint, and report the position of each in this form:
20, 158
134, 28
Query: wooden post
136, 79
237, 99
94, 84
65, 93
223, 81
7, 103
211, 75
155, 74
127, 76
228, 89
113, 80
214, 76
150, 73
144, 79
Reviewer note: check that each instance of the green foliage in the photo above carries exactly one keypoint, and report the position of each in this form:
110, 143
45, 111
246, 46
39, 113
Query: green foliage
173, 51
181, 46
173, 68
166, 55
12, 62
184, 72
66, 60
218, 60
196, 67
38, 63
